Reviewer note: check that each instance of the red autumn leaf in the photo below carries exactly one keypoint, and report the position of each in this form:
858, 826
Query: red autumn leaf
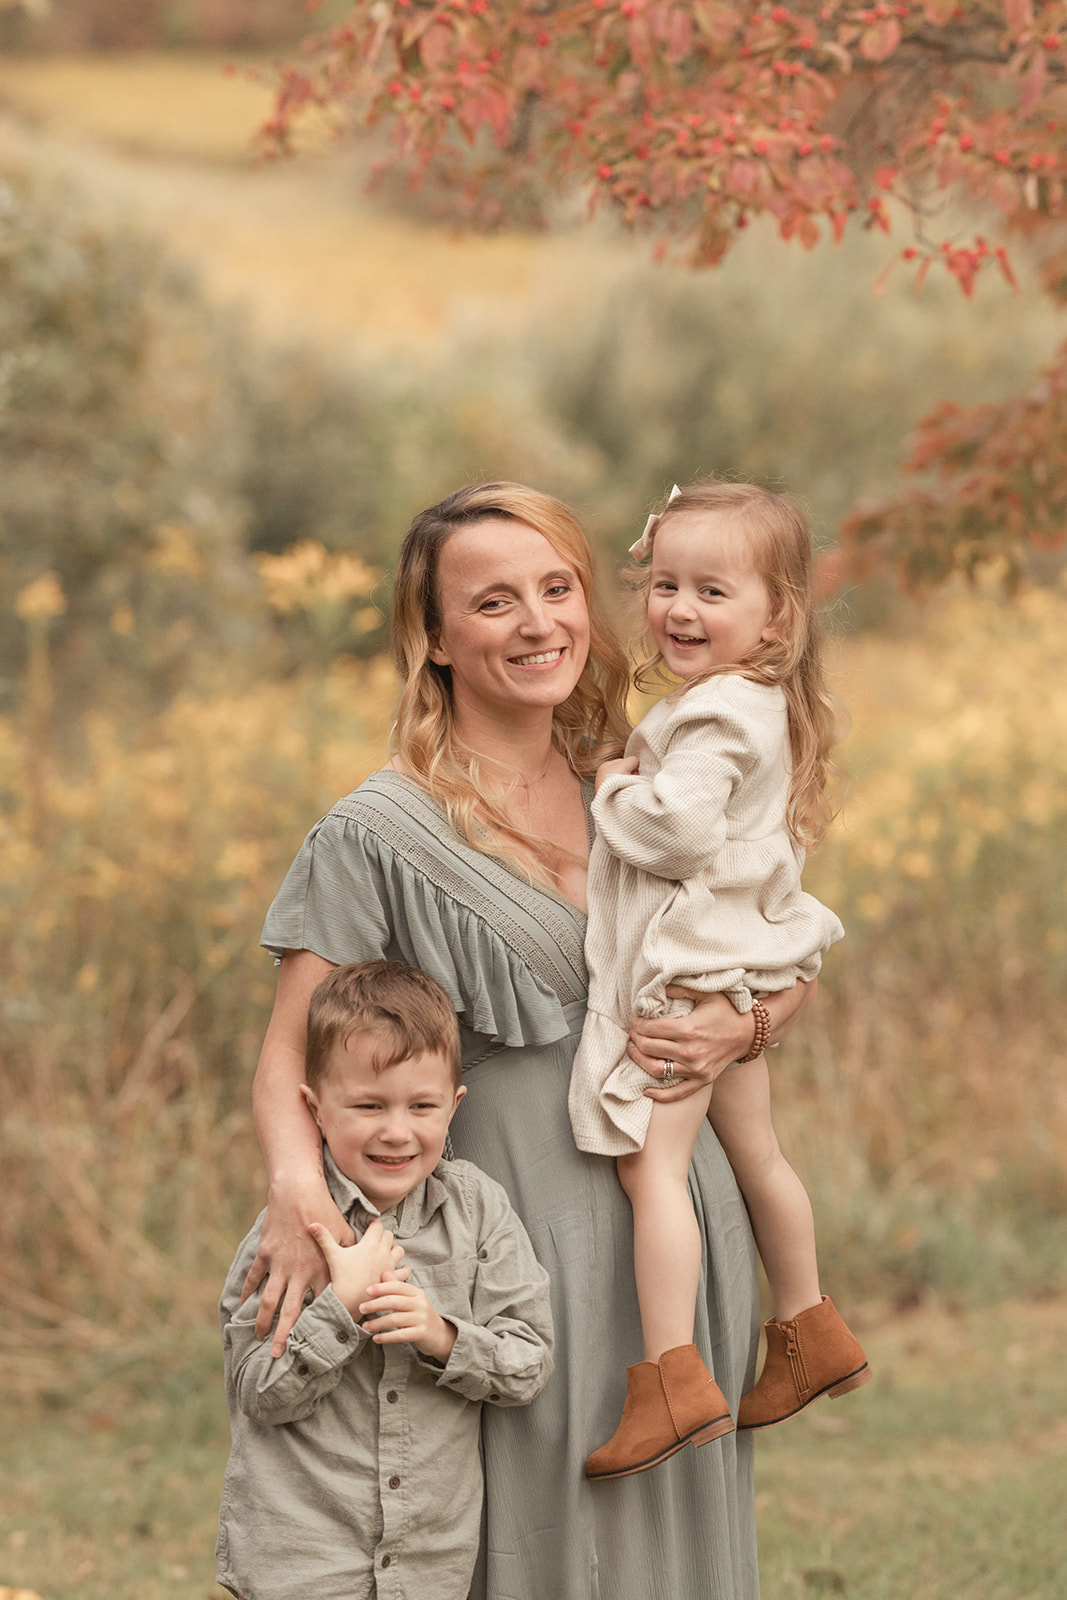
1034, 84
878, 42
1019, 14
436, 45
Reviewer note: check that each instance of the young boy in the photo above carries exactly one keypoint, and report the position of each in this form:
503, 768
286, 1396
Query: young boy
354, 1468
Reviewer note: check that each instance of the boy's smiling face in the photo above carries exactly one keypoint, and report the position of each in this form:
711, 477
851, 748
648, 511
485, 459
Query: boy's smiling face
386, 1130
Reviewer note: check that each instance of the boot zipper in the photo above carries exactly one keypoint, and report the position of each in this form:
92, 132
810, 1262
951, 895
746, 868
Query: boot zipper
796, 1360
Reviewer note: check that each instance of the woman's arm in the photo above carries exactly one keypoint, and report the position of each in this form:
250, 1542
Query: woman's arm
292, 1148
711, 1038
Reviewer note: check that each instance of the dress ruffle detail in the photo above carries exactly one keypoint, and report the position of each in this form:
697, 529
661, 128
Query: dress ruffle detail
350, 896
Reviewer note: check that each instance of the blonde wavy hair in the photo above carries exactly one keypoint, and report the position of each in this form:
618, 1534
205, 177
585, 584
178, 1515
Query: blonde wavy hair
778, 540
589, 727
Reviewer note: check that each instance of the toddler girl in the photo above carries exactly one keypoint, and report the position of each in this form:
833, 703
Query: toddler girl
694, 881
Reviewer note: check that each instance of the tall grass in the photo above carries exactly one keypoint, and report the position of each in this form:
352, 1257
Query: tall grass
134, 997
933, 1118
923, 1102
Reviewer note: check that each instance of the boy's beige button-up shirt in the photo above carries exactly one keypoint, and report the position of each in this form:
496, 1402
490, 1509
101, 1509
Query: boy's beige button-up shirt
354, 1469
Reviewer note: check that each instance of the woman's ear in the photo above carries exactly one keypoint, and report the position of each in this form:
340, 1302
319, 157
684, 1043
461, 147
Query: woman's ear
437, 653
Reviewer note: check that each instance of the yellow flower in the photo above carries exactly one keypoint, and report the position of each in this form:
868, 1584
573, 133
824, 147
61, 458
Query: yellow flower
43, 597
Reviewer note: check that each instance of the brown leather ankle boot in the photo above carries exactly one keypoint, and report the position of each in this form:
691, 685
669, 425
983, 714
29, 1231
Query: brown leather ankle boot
669, 1404
812, 1355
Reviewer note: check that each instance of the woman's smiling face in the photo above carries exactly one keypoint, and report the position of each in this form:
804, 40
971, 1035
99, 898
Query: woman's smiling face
514, 621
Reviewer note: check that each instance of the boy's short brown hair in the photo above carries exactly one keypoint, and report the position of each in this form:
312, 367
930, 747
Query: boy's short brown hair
405, 1012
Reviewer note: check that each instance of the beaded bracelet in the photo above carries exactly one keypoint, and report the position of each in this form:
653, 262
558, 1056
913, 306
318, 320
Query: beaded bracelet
762, 1034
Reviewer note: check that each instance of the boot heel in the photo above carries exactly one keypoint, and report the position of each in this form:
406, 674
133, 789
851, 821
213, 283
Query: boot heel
714, 1430
848, 1384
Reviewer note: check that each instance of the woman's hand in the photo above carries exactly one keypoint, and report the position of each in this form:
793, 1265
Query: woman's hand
290, 1260
711, 1038
624, 767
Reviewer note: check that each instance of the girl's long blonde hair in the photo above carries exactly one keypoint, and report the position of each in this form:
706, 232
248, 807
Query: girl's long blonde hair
589, 726
780, 544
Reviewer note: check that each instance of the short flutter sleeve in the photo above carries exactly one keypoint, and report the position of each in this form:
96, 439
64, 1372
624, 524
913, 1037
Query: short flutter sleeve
382, 875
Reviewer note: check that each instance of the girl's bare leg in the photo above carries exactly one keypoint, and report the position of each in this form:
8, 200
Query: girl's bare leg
666, 1235
778, 1204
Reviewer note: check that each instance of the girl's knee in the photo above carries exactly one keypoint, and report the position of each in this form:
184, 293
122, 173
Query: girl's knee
648, 1173
629, 1170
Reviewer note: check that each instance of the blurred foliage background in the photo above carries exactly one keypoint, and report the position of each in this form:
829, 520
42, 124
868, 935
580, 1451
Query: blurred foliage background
224, 391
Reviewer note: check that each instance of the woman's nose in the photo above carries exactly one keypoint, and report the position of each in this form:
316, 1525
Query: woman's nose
536, 622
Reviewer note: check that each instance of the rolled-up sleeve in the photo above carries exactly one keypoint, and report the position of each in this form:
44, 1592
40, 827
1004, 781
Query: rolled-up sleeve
287, 1388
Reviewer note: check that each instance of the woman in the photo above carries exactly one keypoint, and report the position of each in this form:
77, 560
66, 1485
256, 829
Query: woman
466, 856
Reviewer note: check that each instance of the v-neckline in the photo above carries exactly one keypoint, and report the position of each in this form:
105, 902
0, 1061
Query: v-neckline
538, 884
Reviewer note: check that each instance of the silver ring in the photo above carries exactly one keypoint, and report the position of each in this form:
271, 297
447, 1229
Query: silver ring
668, 1073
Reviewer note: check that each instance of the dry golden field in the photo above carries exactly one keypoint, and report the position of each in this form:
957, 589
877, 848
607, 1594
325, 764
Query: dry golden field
924, 1102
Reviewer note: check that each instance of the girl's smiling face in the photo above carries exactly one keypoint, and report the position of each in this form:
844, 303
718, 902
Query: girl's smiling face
514, 621
708, 607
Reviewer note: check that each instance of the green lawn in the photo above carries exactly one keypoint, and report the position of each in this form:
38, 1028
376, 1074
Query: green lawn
942, 1478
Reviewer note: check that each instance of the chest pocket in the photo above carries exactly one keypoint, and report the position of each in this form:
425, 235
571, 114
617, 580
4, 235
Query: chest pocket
448, 1286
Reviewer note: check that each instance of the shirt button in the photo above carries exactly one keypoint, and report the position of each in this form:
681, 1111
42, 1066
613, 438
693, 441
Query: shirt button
392, 1397
301, 1371
494, 1397
394, 1483
342, 1336
387, 1561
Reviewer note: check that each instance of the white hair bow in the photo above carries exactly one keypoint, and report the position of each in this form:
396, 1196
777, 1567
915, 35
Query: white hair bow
643, 547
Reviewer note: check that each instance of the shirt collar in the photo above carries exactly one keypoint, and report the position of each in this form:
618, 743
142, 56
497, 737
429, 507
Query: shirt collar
414, 1211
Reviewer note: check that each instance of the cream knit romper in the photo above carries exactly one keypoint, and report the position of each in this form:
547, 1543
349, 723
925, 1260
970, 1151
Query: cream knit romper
693, 879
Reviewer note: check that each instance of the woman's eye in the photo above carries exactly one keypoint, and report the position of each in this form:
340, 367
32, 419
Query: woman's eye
558, 589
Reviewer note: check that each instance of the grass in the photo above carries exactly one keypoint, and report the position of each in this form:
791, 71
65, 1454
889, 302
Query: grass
169, 106
942, 1477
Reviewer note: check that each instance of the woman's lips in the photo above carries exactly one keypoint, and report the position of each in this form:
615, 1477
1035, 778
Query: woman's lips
537, 658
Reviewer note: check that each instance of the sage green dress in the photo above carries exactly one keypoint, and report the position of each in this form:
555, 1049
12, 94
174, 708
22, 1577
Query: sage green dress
384, 875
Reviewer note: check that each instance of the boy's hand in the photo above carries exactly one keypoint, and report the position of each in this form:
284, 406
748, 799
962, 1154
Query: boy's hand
400, 1313
355, 1268
625, 767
